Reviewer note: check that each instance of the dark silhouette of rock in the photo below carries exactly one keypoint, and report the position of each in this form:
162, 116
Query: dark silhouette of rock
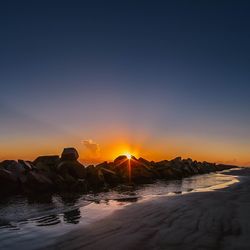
108, 171
144, 161
47, 162
140, 173
6, 175
7, 163
15, 168
26, 165
72, 216
95, 177
120, 159
9, 182
37, 181
66, 174
72, 168
220, 167
72, 173
69, 154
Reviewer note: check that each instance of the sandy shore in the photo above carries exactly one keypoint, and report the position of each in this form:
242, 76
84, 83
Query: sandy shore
203, 220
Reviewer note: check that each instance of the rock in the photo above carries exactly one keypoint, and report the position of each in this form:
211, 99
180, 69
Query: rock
73, 168
165, 171
221, 167
181, 168
144, 161
104, 164
51, 173
110, 176
5, 164
121, 167
94, 177
177, 159
26, 165
18, 171
14, 167
140, 172
9, 182
47, 162
169, 171
208, 167
80, 186
59, 182
177, 162
8, 176
120, 159
37, 181
200, 168
48, 165
70, 154
187, 167
108, 172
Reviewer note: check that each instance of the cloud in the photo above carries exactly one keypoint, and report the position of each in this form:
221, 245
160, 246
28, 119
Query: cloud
93, 147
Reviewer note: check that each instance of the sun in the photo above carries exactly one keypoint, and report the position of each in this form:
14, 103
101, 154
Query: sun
128, 155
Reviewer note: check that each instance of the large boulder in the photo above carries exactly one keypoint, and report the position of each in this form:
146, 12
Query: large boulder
9, 182
37, 181
46, 162
48, 166
15, 168
220, 167
121, 167
144, 161
72, 168
188, 167
108, 172
120, 160
8, 176
69, 184
177, 162
141, 173
165, 170
27, 165
208, 167
70, 154
7, 164
95, 177
137, 171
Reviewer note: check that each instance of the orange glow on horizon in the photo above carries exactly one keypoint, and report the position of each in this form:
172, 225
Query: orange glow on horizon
128, 155
119, 144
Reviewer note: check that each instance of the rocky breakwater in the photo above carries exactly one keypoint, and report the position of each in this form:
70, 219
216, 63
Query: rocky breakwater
67, 174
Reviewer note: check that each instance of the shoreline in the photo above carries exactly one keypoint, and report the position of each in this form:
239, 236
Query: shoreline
60, 174
198, 220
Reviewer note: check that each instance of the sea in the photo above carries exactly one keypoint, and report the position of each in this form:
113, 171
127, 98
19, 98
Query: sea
32, 222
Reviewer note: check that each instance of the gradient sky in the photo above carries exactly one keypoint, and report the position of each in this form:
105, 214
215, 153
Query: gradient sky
156, 78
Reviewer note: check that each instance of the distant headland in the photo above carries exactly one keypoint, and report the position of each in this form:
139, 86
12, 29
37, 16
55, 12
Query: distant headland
54, 173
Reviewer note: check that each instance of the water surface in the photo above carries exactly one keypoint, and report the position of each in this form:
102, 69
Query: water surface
33, 222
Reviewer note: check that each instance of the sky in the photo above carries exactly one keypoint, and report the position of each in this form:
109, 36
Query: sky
158, 79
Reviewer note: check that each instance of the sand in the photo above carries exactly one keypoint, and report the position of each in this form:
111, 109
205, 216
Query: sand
201, 220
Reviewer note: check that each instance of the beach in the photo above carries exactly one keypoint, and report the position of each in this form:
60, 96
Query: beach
217, 219
125, 125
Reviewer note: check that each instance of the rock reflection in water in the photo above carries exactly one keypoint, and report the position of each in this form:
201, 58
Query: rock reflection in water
49, 220
39, 199
70, 199
72, 216
127, 199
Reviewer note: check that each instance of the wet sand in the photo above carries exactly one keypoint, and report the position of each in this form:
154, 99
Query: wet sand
202, 220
